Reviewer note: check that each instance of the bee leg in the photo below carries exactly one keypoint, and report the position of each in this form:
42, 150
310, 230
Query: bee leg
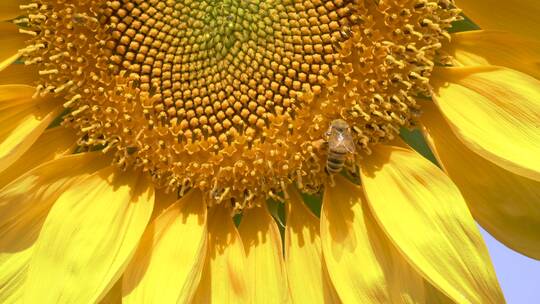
319, 144
351, 169
332, 181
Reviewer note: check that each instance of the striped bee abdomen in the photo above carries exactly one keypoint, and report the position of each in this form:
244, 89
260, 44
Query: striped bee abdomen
335, 162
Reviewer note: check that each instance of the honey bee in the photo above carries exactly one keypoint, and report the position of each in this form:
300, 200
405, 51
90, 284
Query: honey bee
340, 144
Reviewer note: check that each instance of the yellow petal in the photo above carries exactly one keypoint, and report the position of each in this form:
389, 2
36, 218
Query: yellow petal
52, 144
24, 204
163, 201
88, 238
114, 296
426, 218
434, 296
19, 74
516, 16
475, 48
22, 120
223, 279
13, 275
495, 112
9, 9
363, 265
169, 261
15, 95
11, 41
265, 271
505, 204
307, 272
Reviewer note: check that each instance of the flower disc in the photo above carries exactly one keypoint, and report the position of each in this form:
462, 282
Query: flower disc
234, 97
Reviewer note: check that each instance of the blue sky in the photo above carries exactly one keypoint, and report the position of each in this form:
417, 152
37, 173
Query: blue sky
518, 275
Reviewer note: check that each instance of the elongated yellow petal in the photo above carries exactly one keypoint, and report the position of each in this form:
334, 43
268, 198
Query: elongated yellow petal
24, 204
52, 144
13, 275
265, 268
223, 279
516, 16
363, 265
88, 238
163, 201
495, 112
11, 41
424, 215
505, 204
22, 120
434, 296
15, 95
481, 47
114, 296
169, 261
9, 9
19, 74
306, 269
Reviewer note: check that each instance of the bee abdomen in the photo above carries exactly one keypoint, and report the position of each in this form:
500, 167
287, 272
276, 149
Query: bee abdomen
335, 162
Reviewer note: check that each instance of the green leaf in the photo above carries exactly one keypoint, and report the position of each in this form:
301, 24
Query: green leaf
415, 139
463, 25
313, 202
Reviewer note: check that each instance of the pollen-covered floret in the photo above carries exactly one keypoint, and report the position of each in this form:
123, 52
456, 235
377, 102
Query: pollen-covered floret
230, 96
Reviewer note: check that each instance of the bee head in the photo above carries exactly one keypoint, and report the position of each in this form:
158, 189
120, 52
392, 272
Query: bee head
340, 125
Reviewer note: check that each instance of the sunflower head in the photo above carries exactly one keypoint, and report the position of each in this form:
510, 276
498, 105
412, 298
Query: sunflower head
234, 97
214, 106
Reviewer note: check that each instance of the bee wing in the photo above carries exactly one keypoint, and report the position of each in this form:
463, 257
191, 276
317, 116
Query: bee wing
348, 143
341, 141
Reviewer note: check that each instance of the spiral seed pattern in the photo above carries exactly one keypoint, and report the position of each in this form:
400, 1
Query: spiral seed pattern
218, 65
233, 97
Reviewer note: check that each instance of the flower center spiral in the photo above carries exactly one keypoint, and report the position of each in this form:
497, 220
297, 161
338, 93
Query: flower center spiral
233, 96
217, 68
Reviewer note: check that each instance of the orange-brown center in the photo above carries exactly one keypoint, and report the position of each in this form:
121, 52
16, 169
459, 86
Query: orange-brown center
232, 96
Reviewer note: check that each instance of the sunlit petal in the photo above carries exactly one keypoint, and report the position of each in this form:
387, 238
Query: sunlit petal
306, 269
265, 269
24, 205
52, 144
495, 112
89, 236
424, 215
22, 120
223, 279
505, 204
363, 265
482, 47
168, 264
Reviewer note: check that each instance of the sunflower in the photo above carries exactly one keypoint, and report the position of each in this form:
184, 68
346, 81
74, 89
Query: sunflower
162, 151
